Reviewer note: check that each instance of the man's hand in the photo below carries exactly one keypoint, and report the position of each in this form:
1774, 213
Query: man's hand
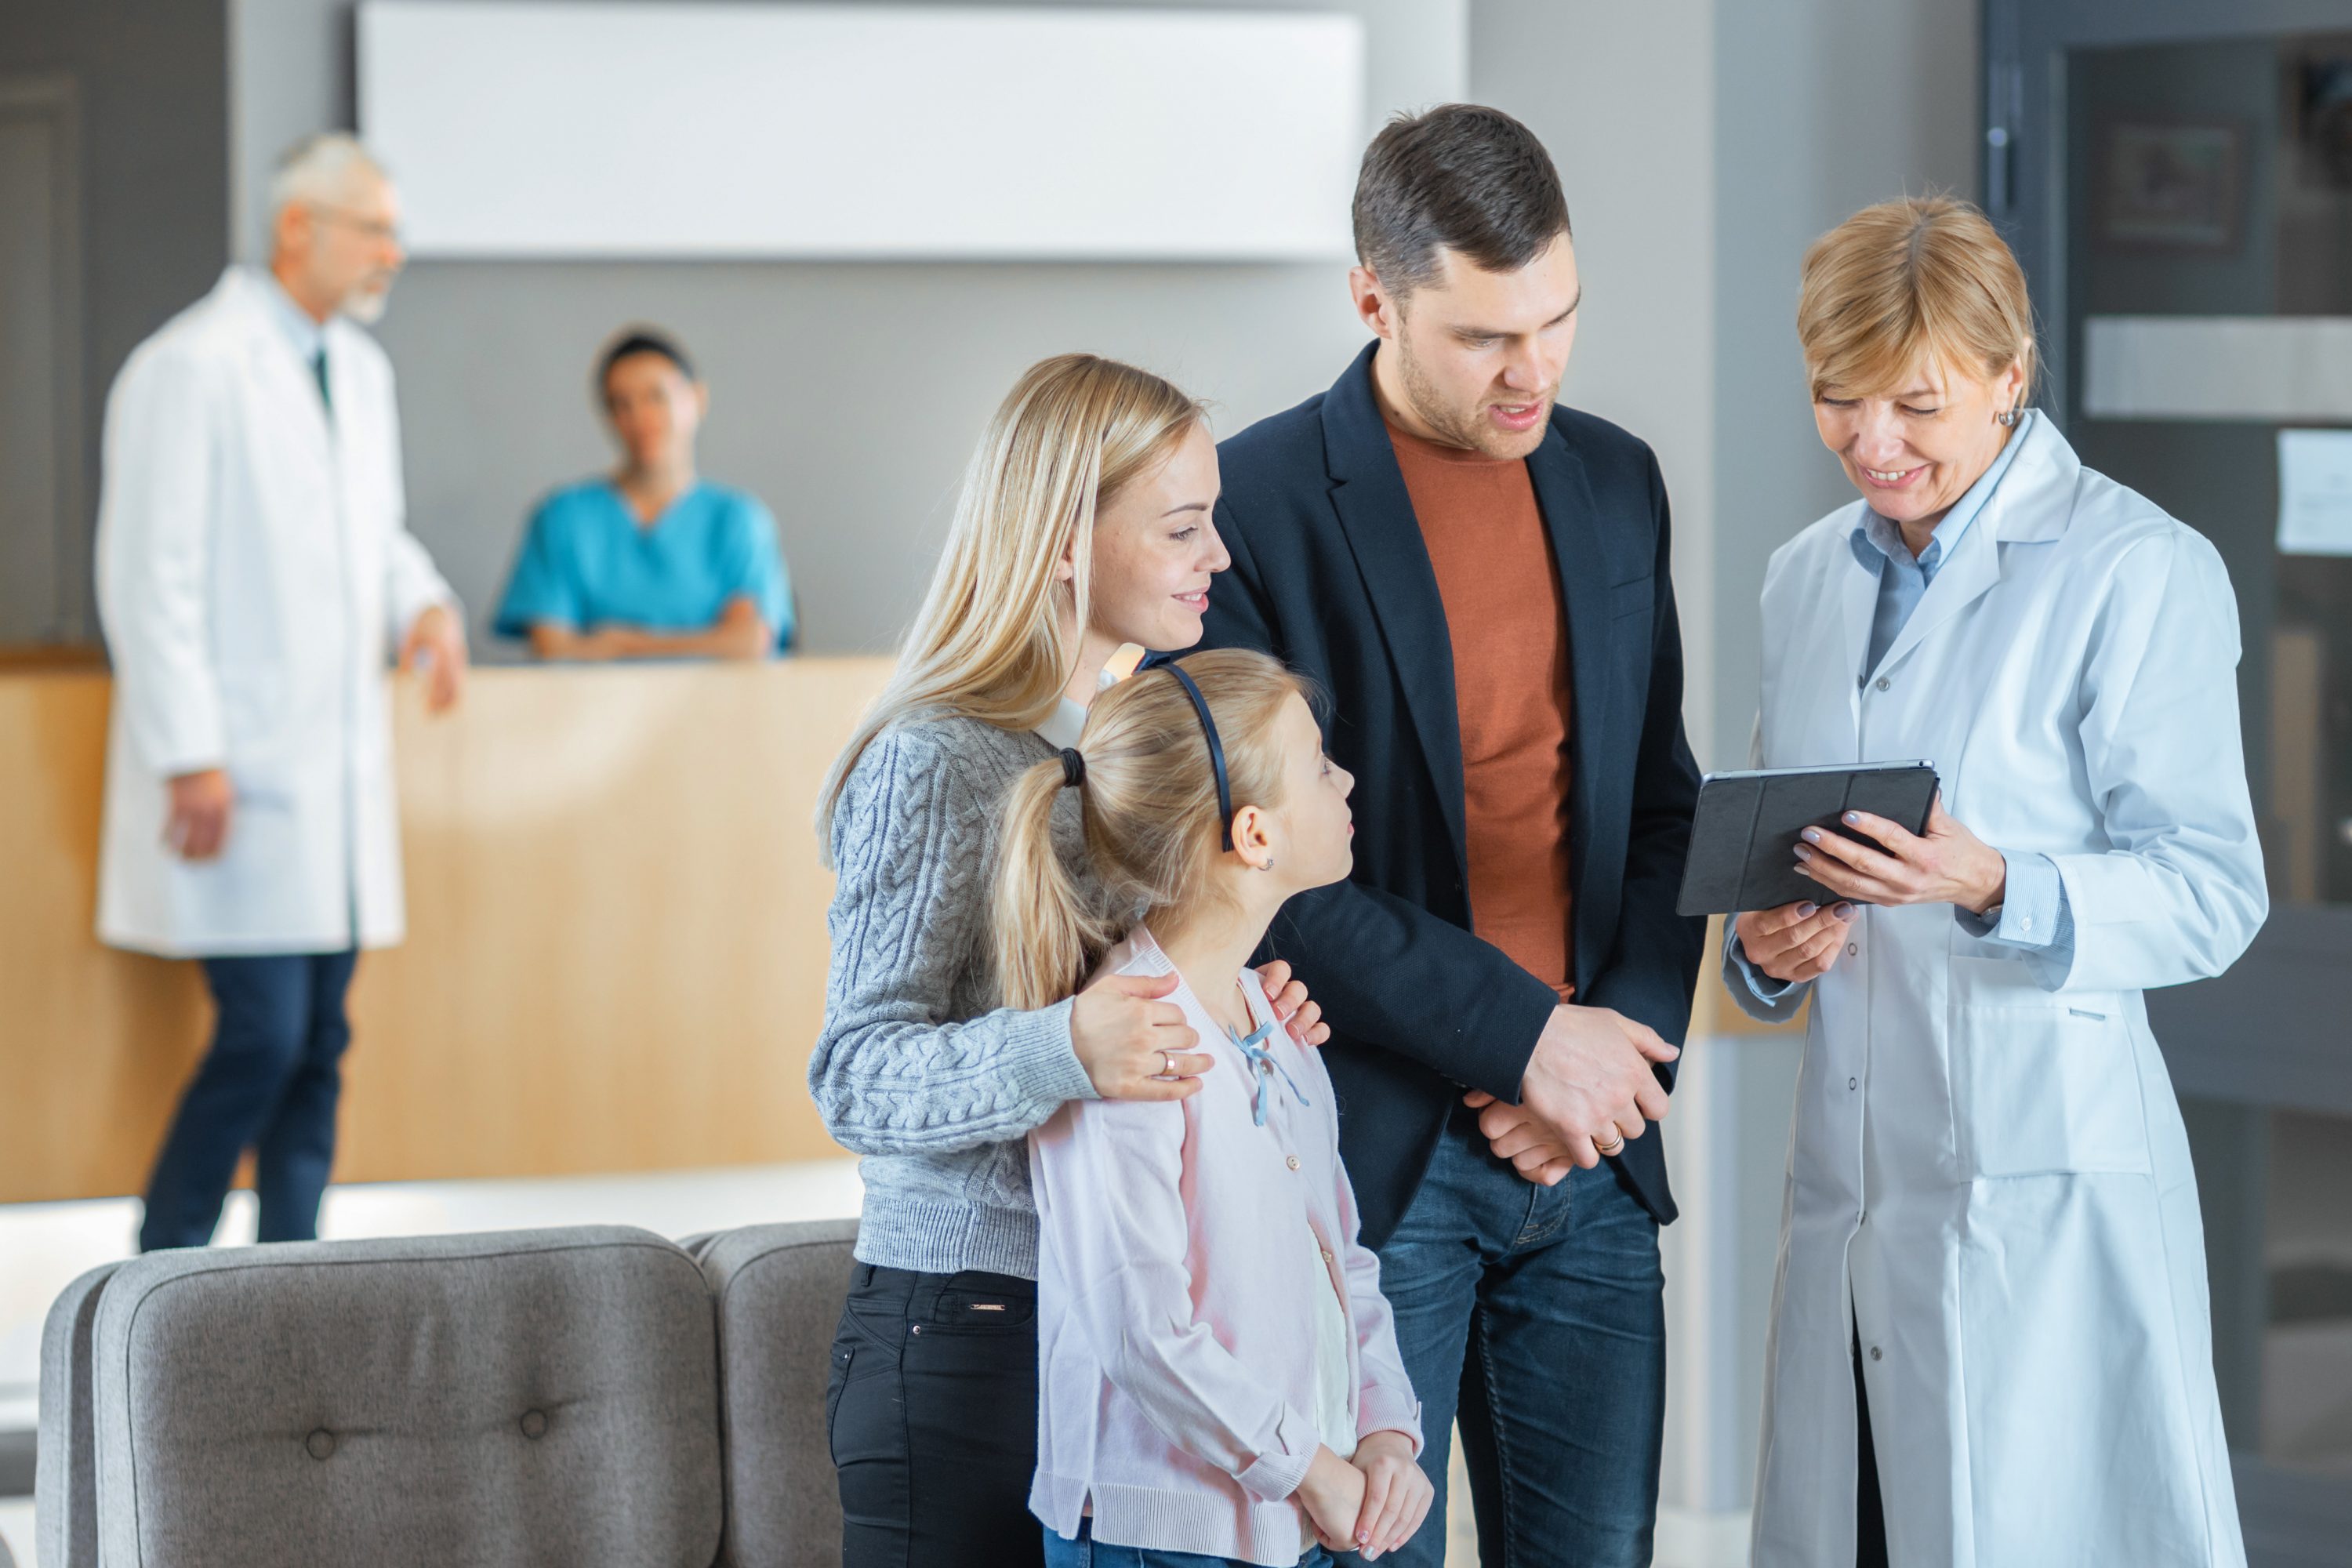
1588, 1087
1302, 1018
437, 642
1947, 865
202, 803
1796, 942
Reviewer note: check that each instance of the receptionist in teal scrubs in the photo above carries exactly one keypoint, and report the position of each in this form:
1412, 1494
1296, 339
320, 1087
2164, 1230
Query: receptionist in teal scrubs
653, 561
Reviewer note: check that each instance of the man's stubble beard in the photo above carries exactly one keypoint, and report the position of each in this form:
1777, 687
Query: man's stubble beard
1467, 429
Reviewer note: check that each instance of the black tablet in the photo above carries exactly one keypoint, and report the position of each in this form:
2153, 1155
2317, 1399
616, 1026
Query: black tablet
1743, 848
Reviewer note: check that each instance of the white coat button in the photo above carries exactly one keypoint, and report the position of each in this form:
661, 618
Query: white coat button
1883, 683
1854, 1083
1292, 1162
1873, 1354
1852, 948
2025, 924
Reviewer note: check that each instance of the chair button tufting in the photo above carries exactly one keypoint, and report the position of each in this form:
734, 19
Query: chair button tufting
534, 1424
319, 1443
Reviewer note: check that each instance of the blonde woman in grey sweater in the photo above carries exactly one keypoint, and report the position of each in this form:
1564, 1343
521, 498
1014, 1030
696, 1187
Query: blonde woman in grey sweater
1085, 525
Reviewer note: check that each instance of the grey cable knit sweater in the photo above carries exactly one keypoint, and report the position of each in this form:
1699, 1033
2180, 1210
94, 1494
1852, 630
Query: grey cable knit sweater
918, 1068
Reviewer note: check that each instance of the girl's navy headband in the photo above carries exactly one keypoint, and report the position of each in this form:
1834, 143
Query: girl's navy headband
1216, 754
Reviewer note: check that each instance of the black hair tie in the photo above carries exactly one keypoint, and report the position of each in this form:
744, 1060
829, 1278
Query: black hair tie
1074, 769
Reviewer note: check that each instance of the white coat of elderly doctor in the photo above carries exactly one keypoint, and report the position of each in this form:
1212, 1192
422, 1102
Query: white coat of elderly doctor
255, 573
1992, 1341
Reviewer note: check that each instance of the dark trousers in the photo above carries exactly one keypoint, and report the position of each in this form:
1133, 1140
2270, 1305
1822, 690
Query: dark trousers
1538, 1315
931, 1412
1870, 1511
269, 1083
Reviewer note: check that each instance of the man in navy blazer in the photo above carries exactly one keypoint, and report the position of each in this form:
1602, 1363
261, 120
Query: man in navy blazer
1491, 1106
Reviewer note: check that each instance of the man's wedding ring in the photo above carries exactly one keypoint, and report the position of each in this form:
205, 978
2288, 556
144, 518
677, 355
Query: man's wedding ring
1609, 1150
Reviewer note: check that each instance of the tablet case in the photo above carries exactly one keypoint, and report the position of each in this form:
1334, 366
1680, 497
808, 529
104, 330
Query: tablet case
1743, 840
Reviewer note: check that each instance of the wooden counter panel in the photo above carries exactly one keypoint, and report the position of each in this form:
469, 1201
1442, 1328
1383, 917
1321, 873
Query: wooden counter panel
616, 946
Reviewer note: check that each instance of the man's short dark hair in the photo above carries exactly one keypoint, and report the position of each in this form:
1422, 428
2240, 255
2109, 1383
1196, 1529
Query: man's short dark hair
1460, 177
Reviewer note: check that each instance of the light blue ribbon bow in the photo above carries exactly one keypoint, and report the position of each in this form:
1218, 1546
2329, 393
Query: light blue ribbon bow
1263, 1066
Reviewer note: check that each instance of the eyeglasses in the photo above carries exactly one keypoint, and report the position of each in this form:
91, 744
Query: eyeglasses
375, 228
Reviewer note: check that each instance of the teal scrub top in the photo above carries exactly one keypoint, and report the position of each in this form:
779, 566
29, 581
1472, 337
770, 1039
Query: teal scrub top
586, 562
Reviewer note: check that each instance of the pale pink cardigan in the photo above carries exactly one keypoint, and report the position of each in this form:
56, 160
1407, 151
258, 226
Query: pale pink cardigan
1175, 1353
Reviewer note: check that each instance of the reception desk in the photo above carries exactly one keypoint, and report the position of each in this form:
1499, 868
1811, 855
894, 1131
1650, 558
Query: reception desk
617, 945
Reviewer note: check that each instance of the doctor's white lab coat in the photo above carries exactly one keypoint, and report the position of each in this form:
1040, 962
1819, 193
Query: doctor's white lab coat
254, 574
1989, 1183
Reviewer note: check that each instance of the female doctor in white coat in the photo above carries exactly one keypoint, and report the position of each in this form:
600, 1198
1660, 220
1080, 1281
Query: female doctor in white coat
1992, 1271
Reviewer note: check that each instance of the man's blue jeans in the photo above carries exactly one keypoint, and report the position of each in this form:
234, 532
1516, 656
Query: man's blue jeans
1085, 1551
1540, 1312
269, 1084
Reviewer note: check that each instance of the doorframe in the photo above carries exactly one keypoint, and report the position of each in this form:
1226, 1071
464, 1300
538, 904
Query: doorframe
55, 98
2293, 987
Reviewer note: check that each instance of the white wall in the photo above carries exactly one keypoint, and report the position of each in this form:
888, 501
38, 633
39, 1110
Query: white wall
847, 396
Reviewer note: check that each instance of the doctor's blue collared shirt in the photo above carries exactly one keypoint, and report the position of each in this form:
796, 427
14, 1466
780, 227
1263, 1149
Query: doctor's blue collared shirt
2033, 914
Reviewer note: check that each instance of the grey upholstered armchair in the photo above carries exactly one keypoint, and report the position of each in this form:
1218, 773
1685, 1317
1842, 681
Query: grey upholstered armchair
592, 1394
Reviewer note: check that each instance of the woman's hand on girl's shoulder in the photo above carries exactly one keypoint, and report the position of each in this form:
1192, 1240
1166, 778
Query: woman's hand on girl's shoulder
1397, 1496
1302, 1018
1134, 1044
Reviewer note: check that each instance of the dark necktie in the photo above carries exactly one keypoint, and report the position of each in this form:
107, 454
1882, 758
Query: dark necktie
319, 369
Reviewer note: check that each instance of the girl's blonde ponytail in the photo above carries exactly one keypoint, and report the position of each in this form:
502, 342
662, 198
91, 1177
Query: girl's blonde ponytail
1045, 934
1148, 802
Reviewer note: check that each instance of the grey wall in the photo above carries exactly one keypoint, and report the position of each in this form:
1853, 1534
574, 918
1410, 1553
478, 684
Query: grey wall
154, 164
1822, 107
848, 396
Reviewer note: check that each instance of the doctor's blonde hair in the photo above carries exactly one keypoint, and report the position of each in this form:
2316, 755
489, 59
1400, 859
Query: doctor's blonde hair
1149, 801
988, 642
1924, 279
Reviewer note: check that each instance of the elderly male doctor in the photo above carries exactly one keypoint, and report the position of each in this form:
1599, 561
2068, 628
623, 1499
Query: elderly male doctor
253, 574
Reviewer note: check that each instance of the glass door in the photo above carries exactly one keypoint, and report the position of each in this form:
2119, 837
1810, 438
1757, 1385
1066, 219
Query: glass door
2177, 177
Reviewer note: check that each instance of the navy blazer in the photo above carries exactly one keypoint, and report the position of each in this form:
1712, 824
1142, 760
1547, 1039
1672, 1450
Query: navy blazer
1330, 576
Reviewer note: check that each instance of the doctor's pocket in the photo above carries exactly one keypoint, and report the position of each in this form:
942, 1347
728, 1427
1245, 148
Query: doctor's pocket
2043, 1083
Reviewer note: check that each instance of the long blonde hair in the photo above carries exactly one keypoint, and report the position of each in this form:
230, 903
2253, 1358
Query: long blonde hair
1924, 276
988, 643
1148, 800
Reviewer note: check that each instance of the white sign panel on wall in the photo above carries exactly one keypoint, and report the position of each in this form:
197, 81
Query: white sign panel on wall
2314, 492
545, 130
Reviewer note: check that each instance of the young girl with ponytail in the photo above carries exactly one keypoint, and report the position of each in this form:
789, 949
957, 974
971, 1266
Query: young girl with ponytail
1218, 1376
1084, 525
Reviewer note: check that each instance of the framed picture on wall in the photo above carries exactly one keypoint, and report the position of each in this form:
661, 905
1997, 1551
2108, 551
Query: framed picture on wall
2171, 184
